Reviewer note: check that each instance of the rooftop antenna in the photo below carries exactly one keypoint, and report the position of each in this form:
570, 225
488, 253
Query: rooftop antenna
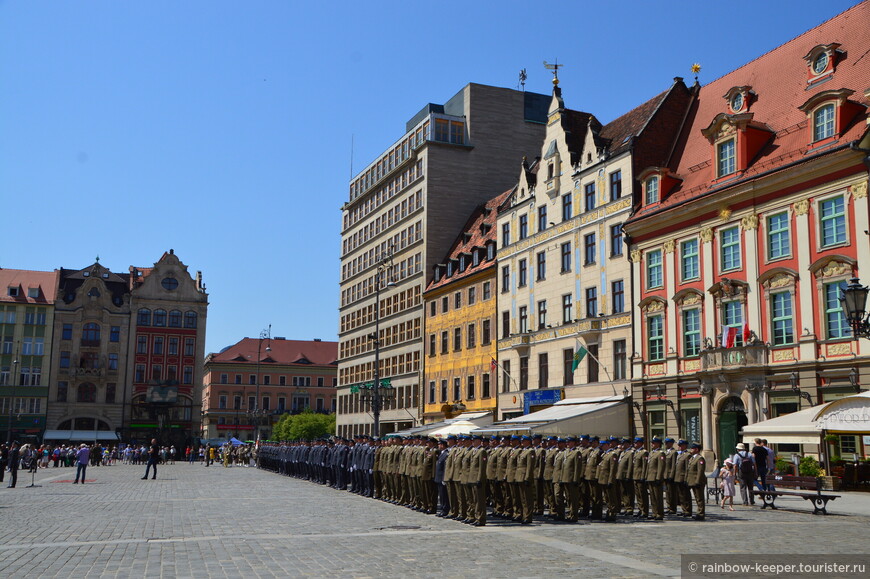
523, 77
555, 69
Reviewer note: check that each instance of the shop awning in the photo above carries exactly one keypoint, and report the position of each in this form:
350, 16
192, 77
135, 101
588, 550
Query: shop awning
80, 435
477, 419
850, 414
794, 428
603, 416
458, 427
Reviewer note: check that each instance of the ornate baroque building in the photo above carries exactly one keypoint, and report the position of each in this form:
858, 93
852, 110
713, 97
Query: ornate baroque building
745, 239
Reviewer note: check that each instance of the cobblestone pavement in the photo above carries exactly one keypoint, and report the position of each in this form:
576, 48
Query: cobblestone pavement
241, 522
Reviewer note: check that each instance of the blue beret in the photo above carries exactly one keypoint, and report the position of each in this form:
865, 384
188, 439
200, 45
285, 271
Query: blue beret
537, 436
515, 437
593, 439
476, 437
571, 439
656, 439
638, 438
584, 437
552, 438
696, 445
526, 437
681, 442
613, 438
669, 439
451, 437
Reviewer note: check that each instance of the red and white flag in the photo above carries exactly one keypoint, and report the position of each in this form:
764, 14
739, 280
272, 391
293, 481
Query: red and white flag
746, 334
493, 366
729, 336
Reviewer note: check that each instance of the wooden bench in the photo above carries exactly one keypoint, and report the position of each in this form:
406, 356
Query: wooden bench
819, 500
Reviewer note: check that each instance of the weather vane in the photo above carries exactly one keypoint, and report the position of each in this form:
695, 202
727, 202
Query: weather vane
696, 68
523, 77
555, 68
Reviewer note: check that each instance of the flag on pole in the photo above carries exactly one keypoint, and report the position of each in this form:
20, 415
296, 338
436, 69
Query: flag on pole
746, 333
493, 366
729, 336
578, 356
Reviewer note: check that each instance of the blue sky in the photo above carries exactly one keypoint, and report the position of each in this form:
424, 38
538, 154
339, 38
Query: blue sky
223, 129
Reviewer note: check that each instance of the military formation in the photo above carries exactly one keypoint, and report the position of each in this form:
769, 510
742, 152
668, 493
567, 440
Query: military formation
468, 478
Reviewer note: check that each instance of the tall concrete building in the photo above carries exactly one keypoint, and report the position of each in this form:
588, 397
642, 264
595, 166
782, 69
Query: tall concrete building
403, 212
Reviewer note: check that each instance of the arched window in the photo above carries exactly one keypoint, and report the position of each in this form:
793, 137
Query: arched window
144, 317
823, 122
160, 318
91, 334
174, 319
86, 392
189, 319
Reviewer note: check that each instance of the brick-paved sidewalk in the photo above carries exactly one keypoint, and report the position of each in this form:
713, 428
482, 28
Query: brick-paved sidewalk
241, 522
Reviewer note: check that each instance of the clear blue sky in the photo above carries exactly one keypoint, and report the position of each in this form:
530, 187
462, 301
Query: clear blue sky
223, 129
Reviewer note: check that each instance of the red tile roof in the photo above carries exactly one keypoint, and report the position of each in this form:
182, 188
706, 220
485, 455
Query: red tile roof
45, 281
479, 229
779, 81
309, 352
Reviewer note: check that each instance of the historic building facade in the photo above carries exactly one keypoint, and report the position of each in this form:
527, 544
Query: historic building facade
288, 375
402, 216
460, 306
745, 239
564, 281
26, 329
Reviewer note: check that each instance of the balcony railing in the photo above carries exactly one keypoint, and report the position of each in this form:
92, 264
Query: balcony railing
733, 358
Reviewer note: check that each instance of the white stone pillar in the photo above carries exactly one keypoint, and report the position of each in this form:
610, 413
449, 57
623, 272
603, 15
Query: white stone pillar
707, 276
807, 281
749, 225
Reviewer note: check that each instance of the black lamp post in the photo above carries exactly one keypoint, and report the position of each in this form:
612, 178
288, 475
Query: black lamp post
385, 269
256, 413
14, 379
854, 301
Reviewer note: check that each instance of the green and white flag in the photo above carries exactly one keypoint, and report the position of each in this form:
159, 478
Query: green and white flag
578, 356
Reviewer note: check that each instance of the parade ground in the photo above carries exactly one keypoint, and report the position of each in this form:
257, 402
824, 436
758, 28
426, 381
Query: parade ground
243, 522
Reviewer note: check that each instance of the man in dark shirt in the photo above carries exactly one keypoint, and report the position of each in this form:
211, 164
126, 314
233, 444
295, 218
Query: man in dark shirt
14, 459
760, 454
153, 457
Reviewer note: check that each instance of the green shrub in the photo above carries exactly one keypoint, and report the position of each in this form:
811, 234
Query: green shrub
809, 467
783, 465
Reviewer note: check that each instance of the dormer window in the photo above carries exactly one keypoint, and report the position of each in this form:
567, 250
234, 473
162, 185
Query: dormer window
821, 62
828, 112
739, 98
490, 251
737, 102
726, 160
475, 256
652, 190
462, 263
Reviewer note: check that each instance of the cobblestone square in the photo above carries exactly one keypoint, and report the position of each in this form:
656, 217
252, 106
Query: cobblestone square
243, 522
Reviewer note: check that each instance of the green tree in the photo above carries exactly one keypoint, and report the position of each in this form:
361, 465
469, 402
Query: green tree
309, 425
279, 431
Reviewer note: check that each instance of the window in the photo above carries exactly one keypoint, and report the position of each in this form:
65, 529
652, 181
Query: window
267, 379
523, 273
189, 319
113, 361
833, 221
566, 256
524, 373
591, 302
252, 379
62, 388
567, 365
174, 319
505, 278
64, 359
110, 393
444, 341
689, 260
484, 386
505, 234
823, 123
432, 351
616, 240
238, 379
542, 314
589, 249
143, 318
657, 423
592, 363
734, 319
567, 309
457, 389
731, 248
86, 392
140, 373
543, 370
91, 334
469, 389
542, 217
778, 243
567, 211
472, 295
445, 304
589, 197
691, 332
615, 185
783, 332
224, 379
835, 318
115, 334
542, 265
485, 337
505, 324
66, 333
652, 190
158, 344
524, 319
524, 226
654, 269
444, 391
471, 336
173, 346
432, 307
655, 338
188, 346
457, 300
432, 399
726, 160
160, 318
487, 290
617, 288
619, 360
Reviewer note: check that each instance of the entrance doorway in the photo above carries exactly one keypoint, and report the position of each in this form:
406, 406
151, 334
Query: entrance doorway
732, 419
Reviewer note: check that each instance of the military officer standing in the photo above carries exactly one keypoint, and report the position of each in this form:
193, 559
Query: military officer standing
593, 457
680, 472
638, 471
570, 488
670, 472
655, 476
696, 478
624, 477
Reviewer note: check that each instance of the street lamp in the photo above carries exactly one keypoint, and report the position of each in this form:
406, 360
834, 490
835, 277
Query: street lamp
385, 268
256, 413
14, 379
854, 302
793, 379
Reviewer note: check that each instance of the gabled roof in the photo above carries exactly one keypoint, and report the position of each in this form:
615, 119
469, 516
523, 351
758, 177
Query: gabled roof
779, 86
618, 132
283, 352
479, 229
24, 280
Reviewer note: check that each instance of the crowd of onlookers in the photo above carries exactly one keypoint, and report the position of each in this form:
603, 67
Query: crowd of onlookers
749, 468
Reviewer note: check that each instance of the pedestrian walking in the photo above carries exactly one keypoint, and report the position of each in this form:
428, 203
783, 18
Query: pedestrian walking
153, 457
83, 456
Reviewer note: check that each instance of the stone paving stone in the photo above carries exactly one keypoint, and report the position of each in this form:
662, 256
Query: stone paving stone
194, 522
